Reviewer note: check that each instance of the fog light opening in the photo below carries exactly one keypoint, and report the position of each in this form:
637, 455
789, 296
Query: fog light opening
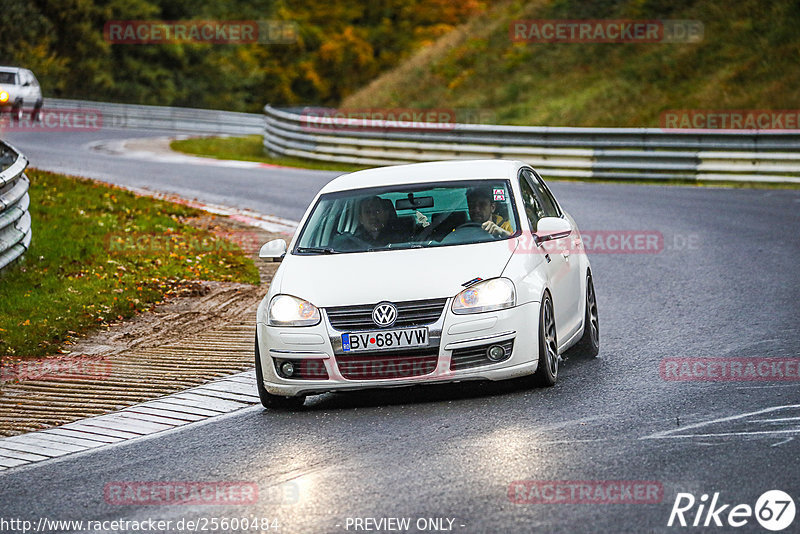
496, 353
287, 369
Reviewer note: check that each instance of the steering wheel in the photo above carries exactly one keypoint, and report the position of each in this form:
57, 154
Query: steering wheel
470, 224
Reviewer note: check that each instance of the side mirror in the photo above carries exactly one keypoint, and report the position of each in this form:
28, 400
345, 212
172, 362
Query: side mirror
275, 249
552, 228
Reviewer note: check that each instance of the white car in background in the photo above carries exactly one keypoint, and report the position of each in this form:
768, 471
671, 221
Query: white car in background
424, 273
19, 90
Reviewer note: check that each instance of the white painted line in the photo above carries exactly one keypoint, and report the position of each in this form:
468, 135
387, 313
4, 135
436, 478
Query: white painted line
19, 455
778, 420
743, 433
66, 432
787, 440
672, 433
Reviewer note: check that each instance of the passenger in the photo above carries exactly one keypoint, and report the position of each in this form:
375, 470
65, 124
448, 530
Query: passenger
482, 211
377, 221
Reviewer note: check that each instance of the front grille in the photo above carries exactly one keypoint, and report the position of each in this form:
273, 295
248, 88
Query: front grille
476, 356
384, 366
305, 369
409, 313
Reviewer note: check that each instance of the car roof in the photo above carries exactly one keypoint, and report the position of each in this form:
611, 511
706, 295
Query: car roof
10, 69
435, 171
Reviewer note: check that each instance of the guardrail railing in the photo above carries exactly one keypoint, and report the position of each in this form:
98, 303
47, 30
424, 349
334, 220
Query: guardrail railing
190, 120
15, 220
594, 153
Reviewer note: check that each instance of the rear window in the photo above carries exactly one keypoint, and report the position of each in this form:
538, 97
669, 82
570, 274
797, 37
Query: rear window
9, 78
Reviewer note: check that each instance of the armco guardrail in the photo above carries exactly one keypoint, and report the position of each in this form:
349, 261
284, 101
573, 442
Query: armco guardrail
600, 153
192, 120
15, 220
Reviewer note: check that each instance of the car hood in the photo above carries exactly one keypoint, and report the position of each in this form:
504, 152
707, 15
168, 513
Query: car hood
396, 275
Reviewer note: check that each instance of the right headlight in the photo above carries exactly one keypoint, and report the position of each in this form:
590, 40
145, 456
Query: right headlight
489, 295
286, 310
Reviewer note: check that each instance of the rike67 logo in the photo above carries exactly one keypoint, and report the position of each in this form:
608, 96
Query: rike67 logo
774, 510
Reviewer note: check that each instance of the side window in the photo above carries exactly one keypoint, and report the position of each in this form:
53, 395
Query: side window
545, 196
533, 209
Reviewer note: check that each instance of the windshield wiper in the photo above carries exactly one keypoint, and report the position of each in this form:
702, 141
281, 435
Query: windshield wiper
317, 250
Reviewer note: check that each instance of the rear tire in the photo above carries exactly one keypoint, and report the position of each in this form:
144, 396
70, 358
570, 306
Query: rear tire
270, 401
589, 344
547, 372
36, 114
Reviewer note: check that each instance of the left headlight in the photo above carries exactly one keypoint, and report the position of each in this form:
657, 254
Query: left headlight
3, 97
489, 295
286, 310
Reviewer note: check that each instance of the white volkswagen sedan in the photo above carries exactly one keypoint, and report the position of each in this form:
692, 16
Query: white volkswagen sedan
424, 273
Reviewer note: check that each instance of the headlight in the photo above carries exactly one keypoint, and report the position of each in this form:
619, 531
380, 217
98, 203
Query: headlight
286, 310
489, 295
3, 97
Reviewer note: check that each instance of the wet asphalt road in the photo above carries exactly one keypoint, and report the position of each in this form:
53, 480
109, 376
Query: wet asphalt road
725, 285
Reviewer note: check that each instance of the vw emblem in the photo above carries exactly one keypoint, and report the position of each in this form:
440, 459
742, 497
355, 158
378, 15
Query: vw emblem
384, 314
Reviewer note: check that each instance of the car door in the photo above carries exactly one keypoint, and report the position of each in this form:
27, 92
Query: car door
34, 90
563, 271
25, 89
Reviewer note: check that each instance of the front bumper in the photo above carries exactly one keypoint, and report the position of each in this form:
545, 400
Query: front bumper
320, 346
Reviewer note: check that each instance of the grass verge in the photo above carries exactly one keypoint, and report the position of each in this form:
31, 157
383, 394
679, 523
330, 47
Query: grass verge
101, 254
250, 148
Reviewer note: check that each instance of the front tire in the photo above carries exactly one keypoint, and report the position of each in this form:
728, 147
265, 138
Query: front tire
547, 371
16, 112
268, 400
589, 344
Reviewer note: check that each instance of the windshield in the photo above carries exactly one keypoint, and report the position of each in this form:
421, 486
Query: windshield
410, 216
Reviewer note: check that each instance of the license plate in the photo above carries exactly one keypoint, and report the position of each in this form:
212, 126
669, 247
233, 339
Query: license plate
385, 339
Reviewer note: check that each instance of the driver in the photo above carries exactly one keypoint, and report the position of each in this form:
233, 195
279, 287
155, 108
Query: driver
481, 210
376, 221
